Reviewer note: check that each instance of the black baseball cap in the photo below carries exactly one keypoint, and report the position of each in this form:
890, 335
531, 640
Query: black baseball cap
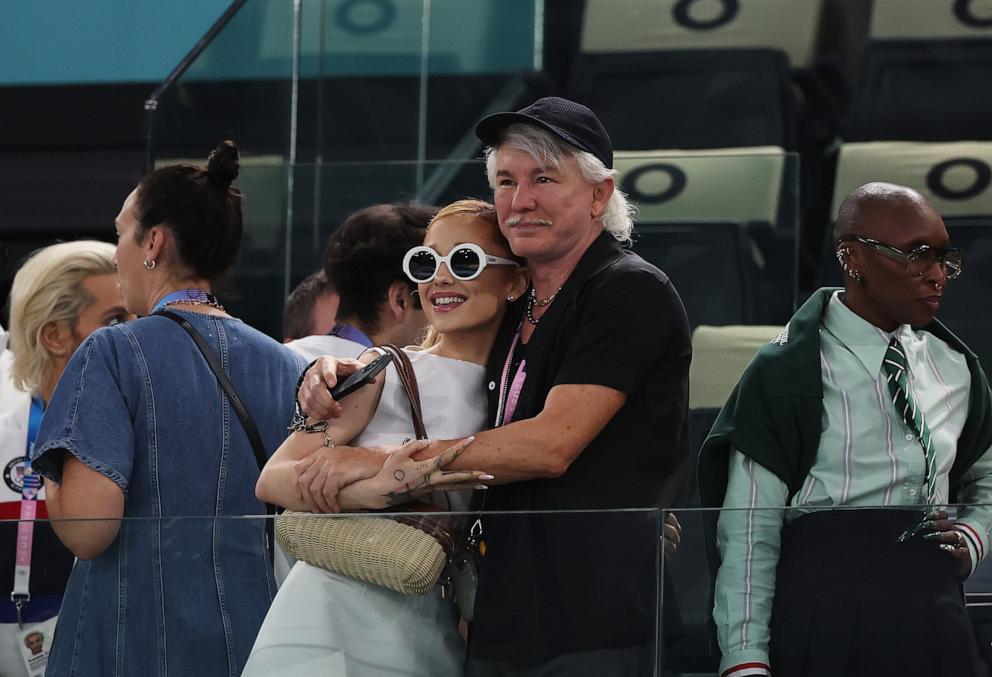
569, 121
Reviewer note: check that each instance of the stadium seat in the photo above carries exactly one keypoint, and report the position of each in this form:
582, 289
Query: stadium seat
746, 197
711, 265
691, 98
923, 90
927, 19
641, 25
955, 177
741, 184
719, 357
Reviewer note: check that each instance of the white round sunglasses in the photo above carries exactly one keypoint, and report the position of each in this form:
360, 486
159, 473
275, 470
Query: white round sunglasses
465, 261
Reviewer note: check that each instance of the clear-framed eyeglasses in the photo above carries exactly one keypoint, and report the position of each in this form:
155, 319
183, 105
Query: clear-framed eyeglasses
920, 259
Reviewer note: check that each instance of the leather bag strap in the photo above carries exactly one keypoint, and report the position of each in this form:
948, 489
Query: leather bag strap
232, 395
409, 380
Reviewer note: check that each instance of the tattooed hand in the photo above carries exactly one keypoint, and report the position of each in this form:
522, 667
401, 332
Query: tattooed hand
403, 479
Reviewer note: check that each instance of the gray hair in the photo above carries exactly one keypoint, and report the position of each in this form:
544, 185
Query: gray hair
548, 150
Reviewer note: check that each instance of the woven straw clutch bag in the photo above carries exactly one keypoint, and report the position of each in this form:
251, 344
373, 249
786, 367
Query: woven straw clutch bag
375, 550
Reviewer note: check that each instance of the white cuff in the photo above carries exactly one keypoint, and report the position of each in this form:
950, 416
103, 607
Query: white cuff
750, 669
975, 542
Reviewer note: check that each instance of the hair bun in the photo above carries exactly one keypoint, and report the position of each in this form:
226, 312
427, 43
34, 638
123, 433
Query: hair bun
224, 163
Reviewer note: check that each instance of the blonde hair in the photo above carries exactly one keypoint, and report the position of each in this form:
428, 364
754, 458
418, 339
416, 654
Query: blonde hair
479, 209
550, 151
48, 288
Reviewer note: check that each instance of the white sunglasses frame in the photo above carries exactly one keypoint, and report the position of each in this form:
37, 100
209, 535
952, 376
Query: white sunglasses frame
484, 260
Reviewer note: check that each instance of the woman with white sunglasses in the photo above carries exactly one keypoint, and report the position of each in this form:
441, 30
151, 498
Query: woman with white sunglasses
322, 623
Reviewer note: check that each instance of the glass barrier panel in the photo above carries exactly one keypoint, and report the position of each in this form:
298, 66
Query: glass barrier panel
408, 80
815, 587
377, 592
200, 595
256, 288
240, 87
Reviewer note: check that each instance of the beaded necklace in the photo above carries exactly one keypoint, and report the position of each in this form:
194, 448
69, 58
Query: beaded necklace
195, 297
533, 301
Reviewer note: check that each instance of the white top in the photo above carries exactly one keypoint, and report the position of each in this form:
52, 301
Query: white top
323, 624
13, 448
312, 347
452, 398
10, 397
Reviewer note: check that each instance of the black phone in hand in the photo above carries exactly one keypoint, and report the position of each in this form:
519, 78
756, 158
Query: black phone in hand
360, 378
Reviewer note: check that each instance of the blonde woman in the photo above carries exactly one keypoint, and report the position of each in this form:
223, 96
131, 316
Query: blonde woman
326, 624
59, 296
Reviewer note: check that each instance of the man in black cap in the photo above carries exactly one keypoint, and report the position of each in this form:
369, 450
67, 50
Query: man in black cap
588, 396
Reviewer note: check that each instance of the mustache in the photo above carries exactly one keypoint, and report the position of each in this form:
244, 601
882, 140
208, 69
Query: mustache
517, 220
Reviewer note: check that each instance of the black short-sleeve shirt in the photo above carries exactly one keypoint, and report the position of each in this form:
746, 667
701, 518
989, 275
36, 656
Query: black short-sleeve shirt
617, 322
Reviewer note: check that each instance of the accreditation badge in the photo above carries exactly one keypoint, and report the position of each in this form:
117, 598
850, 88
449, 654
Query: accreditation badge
35, 643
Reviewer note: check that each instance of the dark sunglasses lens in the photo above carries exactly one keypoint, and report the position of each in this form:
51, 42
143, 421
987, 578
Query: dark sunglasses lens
464, 263
422, 266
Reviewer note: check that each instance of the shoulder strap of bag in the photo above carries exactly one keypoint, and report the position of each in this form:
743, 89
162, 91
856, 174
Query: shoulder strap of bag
409, 380
225, 382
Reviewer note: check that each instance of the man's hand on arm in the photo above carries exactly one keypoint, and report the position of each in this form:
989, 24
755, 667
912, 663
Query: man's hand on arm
314, 394
322, 475
543, 446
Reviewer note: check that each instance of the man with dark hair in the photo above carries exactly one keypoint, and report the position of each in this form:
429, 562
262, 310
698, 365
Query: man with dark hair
863, 401
364, 263
310, 309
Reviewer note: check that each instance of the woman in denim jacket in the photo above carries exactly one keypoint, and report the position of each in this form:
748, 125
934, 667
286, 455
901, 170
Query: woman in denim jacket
138, 427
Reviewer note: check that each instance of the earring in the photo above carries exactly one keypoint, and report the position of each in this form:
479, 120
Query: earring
149, 264
511, 298
856, 276
841, 255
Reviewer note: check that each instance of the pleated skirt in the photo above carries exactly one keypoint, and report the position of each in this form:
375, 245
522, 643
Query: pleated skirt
851, 601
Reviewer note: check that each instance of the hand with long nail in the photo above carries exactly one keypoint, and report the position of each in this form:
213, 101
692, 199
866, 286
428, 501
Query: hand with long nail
951, 540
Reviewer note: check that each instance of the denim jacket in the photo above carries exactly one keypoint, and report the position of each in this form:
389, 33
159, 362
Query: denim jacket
184, 588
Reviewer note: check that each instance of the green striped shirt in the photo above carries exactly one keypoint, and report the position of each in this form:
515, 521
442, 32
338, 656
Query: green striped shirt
867, 457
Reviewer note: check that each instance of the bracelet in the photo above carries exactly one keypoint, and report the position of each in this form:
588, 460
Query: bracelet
328, 442
299, 424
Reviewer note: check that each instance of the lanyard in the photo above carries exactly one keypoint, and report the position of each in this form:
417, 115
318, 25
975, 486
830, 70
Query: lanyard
185, 295
29, 506
350, 333
509, 391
